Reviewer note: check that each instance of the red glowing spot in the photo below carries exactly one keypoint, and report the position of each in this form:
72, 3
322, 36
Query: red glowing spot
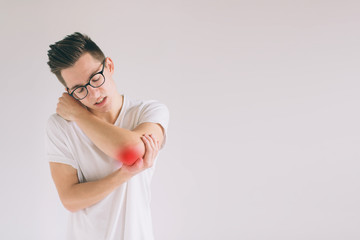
129, 155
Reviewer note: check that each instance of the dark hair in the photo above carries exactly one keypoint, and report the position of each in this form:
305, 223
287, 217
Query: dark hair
64, 53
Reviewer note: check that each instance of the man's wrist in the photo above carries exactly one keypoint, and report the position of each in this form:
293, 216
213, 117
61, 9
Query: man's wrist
123, 176
83, 113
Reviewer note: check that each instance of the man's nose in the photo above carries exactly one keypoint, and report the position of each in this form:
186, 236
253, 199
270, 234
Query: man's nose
93, 92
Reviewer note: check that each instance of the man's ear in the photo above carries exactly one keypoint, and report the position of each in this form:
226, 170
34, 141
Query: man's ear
110, 64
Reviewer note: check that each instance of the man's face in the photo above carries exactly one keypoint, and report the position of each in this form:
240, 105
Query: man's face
98, 99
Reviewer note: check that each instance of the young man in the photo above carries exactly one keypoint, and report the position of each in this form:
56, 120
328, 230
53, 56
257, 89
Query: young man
101, 146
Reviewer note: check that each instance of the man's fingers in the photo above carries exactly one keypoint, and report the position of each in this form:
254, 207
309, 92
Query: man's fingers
151, 148
149, 142
156, 142
152, 141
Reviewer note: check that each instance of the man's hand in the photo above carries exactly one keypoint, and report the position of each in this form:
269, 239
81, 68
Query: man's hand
152, 147
69, 108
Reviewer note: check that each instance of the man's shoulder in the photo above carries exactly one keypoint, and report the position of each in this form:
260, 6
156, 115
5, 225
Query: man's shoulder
57, 122
140, 104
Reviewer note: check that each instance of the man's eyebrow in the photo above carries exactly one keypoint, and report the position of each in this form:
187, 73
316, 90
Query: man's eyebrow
91, 75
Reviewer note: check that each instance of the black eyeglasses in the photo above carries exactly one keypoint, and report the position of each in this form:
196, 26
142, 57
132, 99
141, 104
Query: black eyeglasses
95, 81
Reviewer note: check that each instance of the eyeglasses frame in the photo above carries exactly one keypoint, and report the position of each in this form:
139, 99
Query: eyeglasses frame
88, 84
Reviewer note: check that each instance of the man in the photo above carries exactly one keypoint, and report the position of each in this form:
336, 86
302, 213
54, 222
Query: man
101, 146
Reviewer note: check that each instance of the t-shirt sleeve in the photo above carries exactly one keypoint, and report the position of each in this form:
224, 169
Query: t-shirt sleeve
56, 143
155, 112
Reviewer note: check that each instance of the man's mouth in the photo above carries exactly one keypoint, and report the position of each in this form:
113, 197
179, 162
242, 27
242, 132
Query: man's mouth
100, 101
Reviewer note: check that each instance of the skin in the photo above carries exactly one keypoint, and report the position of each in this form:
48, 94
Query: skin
97, 123
79, 74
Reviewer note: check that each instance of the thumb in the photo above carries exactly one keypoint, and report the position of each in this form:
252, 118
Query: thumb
139, 162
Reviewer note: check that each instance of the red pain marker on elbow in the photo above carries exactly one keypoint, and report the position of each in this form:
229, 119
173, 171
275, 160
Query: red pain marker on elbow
128, 155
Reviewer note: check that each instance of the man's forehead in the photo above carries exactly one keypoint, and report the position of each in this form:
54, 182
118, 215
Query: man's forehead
81, 71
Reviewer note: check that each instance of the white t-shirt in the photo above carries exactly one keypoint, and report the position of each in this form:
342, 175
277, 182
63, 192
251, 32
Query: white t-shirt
125, 213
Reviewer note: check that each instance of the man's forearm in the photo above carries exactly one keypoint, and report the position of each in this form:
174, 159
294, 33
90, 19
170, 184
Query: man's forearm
83, 195
111, 139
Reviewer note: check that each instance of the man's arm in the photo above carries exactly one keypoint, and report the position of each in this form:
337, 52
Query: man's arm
76, 196
118, 143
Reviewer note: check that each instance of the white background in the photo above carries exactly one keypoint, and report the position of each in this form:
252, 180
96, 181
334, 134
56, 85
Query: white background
263, 96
